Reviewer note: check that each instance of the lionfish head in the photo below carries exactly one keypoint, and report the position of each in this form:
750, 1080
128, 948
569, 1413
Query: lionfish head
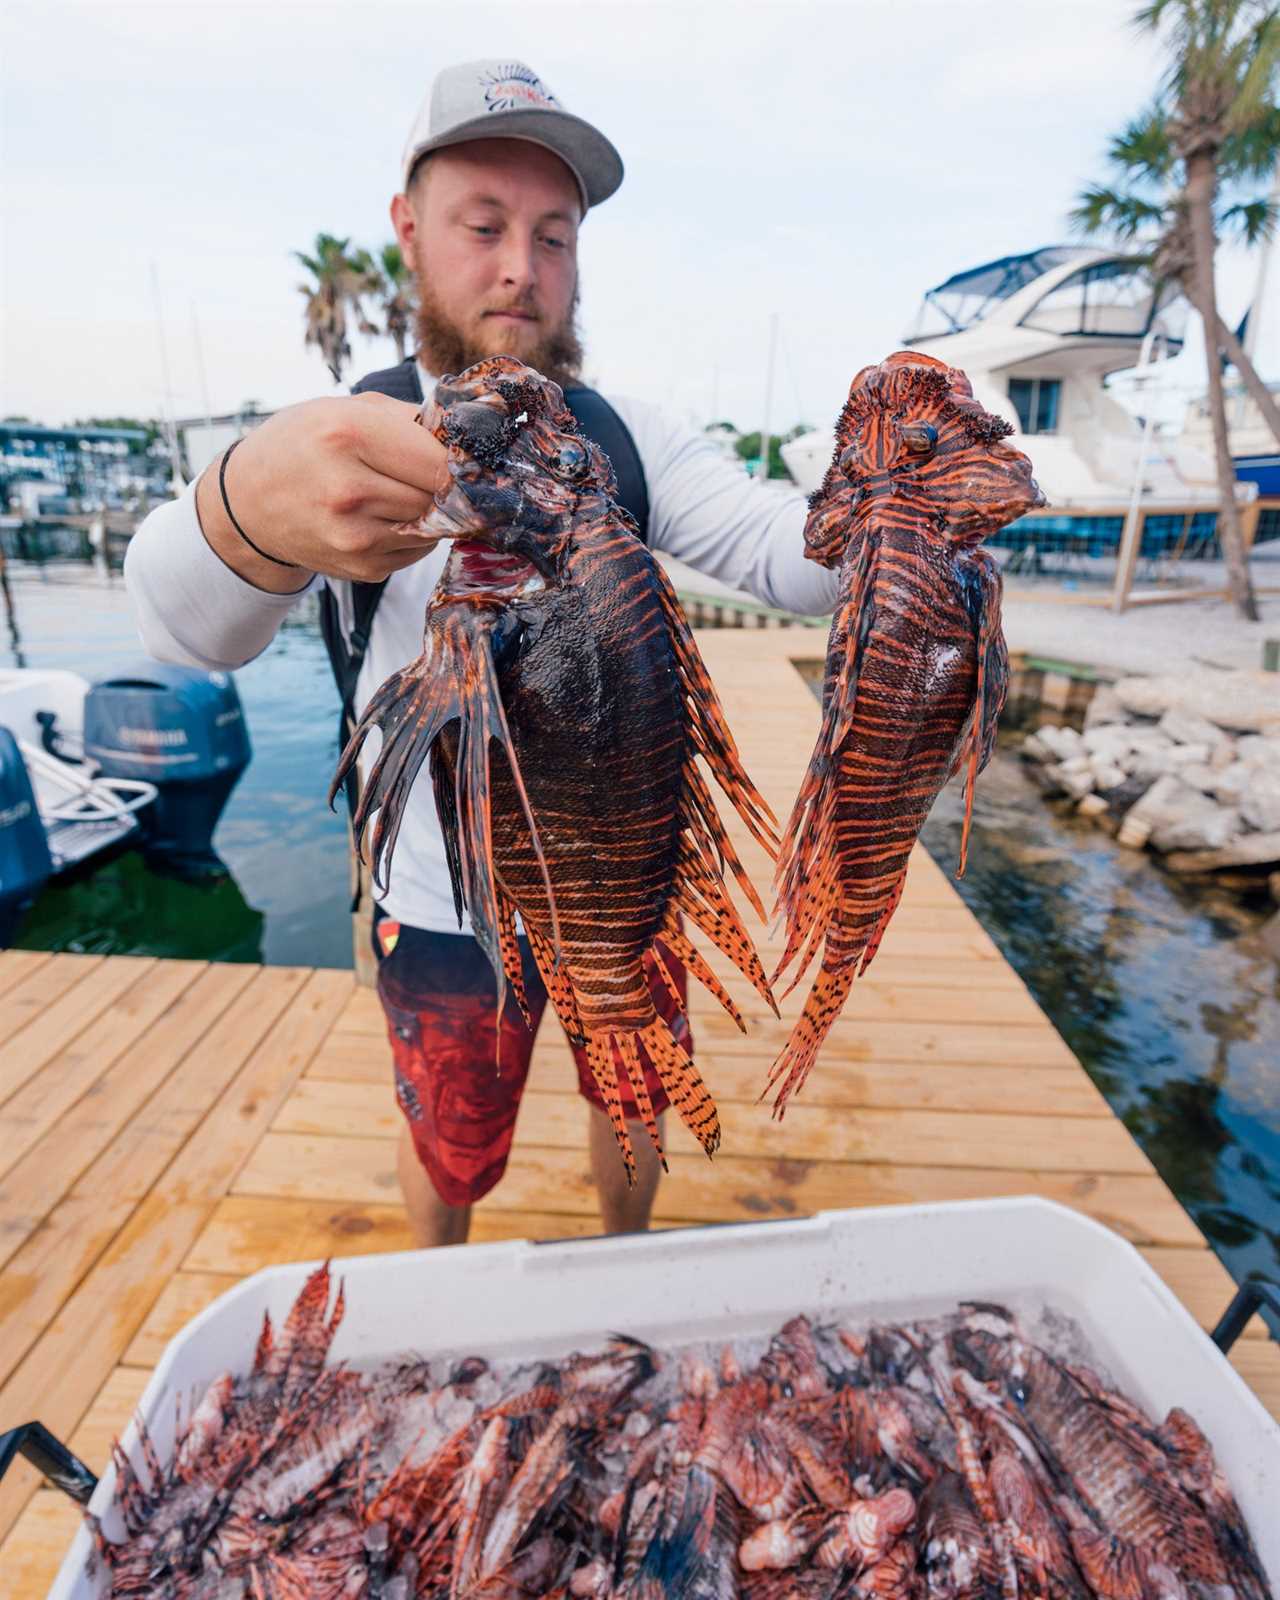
914, 447
519, 465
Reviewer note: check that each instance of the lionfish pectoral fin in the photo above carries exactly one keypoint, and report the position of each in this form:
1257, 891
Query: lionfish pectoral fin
807, 879
708, 730
455, 680
886, 916
826, 999
988, 699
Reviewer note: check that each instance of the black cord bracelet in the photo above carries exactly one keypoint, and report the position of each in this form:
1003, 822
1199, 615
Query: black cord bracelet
257, 549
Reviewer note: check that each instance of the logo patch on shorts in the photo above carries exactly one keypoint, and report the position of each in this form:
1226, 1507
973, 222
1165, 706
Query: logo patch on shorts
388, 935
513, 87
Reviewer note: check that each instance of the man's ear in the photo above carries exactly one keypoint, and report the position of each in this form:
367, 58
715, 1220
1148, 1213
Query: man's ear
405, 223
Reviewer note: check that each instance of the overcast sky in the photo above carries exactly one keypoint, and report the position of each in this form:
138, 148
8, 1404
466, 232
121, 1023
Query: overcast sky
827, 162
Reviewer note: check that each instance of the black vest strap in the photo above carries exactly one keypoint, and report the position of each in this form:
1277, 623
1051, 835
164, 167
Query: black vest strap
597, 419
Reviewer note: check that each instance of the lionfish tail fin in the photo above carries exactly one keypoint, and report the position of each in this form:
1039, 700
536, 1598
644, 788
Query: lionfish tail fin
708, 729
826, 998
453, 681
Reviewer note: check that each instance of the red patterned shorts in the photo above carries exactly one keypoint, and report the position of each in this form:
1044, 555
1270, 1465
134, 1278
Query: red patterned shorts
440, 999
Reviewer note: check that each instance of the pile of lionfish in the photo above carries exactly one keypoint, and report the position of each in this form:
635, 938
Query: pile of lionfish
947, 1459
561, 706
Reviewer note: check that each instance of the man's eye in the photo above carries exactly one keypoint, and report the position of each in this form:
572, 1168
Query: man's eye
556, 244
484, 229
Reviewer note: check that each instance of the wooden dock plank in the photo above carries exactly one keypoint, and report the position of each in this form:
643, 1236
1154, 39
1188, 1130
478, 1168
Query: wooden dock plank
56, 1253
184, 1296
99, 1320
31, 1189
53, 1005
541, 1178
47, 1097
340, 1084
898, 1135
16, 966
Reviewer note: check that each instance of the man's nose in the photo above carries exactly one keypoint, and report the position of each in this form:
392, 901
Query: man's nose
518, 262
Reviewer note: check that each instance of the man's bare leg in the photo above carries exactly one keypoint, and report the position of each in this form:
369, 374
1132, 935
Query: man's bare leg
431, 1221
622, 1209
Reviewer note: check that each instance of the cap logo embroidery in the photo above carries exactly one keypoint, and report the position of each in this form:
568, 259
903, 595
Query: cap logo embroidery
513, 86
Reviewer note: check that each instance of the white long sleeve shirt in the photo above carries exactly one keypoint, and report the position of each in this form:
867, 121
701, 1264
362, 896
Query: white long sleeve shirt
703, 509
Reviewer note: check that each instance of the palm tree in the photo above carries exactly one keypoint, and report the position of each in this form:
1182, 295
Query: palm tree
1213, 129
343, 277
395, 296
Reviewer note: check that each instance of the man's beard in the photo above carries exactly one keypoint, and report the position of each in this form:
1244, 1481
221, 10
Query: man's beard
445, 350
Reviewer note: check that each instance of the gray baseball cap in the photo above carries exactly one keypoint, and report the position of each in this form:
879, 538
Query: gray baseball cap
508, 100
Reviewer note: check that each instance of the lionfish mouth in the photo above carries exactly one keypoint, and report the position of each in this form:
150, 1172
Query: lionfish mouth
480, 569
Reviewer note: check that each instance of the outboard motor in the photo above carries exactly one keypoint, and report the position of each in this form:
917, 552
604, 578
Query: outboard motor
184, 731
25, 863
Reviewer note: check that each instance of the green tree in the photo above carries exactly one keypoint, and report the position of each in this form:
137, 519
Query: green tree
343, 277
395, 296
748, 447
1185, 169
146, 424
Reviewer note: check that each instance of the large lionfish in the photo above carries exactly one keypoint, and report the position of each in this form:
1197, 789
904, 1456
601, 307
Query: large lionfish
562, 702
916, 671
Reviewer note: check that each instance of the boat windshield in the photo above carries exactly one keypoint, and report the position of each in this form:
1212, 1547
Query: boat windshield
969, 296
1113, 299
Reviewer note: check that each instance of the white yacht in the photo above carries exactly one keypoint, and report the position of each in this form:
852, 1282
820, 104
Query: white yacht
1036, 334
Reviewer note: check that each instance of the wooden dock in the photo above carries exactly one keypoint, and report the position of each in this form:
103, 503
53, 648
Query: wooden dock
167, 1127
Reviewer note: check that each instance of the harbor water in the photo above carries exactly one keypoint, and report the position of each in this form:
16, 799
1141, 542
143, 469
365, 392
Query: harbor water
287, 895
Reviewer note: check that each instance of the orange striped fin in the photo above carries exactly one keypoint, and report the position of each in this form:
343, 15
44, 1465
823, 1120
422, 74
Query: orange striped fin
684, 951
600, 1058
807, 877
990, 683
509, 948
826, 998
559, 986
625, 1044
681, 1079
706, 722
700, 893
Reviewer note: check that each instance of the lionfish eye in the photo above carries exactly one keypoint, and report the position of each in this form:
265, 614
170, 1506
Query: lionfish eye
572, 460
919, 437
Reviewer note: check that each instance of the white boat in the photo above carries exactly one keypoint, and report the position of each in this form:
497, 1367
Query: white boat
1036, 335
82, 810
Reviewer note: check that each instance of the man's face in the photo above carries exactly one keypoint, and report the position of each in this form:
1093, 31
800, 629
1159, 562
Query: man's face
491, 231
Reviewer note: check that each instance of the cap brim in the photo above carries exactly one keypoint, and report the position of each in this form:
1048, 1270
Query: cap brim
584, 150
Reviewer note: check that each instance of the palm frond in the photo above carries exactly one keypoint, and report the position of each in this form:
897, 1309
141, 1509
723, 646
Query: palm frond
1123, 215
1144, 150
1253, 220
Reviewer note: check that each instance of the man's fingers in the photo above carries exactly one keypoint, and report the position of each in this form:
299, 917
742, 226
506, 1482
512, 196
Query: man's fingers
396, 445
383, 499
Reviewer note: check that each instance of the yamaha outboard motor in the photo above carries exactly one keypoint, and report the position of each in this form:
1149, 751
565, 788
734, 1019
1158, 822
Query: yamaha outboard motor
25, 863
184, 731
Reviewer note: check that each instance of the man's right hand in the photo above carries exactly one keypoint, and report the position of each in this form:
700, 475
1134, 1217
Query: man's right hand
326, 486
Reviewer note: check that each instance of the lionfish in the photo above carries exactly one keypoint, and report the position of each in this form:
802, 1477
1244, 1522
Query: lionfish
916, 670
561, 701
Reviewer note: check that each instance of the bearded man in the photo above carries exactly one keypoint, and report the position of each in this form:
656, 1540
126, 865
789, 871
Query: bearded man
498, 178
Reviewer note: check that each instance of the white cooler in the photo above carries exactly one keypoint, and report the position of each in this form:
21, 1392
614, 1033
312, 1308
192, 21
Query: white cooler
518, 1300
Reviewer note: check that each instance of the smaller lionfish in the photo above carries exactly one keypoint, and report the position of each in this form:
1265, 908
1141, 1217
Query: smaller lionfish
917, 669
